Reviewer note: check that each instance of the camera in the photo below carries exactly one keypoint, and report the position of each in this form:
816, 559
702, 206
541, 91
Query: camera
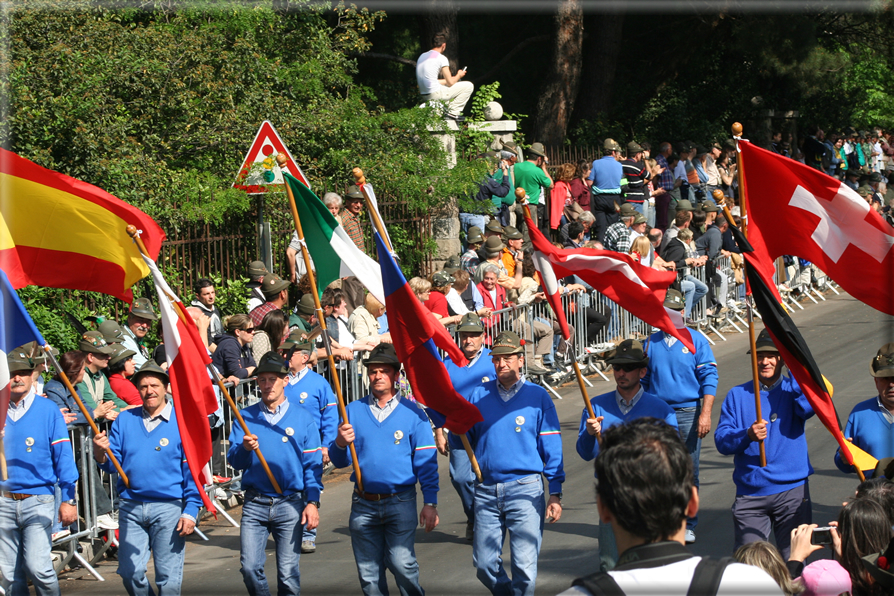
821, 536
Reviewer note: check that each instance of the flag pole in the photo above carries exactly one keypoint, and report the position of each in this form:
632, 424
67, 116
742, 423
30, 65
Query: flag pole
87, 413
133, 233
749, 302
360, 180
520, 196
342, 411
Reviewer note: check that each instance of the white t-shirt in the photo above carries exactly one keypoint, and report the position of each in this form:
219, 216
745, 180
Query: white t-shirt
428, 69
674, 580
680, 171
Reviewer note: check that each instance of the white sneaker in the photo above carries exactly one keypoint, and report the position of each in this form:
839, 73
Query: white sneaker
107, 522
60, 534
690, 536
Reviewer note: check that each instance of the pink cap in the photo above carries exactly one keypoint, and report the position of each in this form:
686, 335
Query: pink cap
825, 578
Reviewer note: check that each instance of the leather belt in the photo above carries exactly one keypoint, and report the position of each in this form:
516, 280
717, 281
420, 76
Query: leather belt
373, 496
15, 496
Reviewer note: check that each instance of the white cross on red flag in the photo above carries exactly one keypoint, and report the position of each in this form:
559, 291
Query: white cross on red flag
796, 210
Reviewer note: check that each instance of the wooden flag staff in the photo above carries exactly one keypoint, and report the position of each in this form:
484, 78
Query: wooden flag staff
520, 196
342, 411
360, 180
132, 232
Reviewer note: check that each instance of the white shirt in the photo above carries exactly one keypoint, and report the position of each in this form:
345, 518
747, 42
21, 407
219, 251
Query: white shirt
428, 70
455, 301
380, 413
622, 403
14, 413
507, 394
151, 422
680, 171
296, 377
274, 416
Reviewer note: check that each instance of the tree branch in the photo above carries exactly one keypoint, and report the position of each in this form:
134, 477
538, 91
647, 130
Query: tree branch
380, 56
523, 44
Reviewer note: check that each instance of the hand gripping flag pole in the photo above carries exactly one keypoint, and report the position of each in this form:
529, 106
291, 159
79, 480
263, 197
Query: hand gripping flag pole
342, 411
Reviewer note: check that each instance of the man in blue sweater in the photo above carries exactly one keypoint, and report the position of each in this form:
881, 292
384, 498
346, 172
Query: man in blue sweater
629, 401
775, 497
687, 382
38, 456
395, 450
479, 370
159, 507
870, 425
516, 444
291, 441
312, 392
606, 174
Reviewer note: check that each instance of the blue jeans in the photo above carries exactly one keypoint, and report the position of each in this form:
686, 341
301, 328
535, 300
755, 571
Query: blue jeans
261, 517
687, 424
383, 534
693, 291
518, 507
145, 526
25, 546
467, 220
463, 479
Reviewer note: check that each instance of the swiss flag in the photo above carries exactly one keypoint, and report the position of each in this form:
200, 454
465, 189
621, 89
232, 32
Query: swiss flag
639, 289
796, 210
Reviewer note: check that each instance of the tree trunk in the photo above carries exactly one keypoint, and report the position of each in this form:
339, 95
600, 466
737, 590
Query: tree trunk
556, 101
601, 60
440, 17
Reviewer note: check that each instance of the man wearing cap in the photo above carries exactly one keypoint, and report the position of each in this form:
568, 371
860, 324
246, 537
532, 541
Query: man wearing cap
617, 237
493, 248
493, 228
512, 255
492, 293
95, 388
276, 292
516, 444
682, 219
606, 174
303, 314
395, 450
478, 370
350, 216
629, 400
205, 299
256, 272
870, 425
775, 497
693, 288
111, 332
531, 175
139, 320
470, 260
437, 84
636, 192
687, 382
714, 181
159, 507
290, 441
38, 458
121, 368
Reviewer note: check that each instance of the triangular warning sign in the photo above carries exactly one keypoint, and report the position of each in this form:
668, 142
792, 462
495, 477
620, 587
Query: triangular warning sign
266, 176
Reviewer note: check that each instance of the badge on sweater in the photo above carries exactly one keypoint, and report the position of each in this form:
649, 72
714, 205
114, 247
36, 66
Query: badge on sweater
398, 435
163, 442
685, 350
290, 431
773, 417
519, 420
285, 439
485, 379
303, 395
29, 441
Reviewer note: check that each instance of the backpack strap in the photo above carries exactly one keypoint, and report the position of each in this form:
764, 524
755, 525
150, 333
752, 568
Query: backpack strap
707, 576
599, 584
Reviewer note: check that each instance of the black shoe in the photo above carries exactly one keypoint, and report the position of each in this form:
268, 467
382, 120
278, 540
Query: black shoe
470, 530
459, 118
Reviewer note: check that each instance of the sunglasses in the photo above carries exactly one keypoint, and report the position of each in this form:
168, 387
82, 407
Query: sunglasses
626, 367
249, 330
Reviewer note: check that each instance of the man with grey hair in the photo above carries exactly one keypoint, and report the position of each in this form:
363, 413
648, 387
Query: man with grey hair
333, 202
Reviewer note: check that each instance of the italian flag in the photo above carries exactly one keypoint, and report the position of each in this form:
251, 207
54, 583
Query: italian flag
334, 253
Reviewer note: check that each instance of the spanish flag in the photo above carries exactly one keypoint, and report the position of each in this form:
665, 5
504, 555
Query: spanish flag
59, 232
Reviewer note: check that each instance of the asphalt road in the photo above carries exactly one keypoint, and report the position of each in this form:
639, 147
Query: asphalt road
844, 335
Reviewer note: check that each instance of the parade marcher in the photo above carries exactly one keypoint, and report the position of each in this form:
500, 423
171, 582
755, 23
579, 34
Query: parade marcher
646, 491
159, 507
870, 425
629, 401
516, 444
139, 321
291, 441
687, 382
95, 387
775, 497
395, 449
38, 458
311, 391
479, 370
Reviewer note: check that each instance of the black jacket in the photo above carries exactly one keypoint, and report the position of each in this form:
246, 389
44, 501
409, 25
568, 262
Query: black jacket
231, 359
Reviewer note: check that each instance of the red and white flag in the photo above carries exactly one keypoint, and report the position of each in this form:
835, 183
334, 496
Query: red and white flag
796, 210
191, 387
638, 289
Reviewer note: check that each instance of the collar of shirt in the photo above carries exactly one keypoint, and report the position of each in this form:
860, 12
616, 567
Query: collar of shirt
380, 413
295, 377
773, 386
622, 403
885, 411
274, 416
16, 412
475, 359
670, 340
133, 335
165, 413
507, 394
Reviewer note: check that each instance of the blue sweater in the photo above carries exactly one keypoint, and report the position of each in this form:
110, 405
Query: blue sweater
388, 464
870, 431
315, 395
606, 405
519, 437
678, 376
35, 469
154, 462
466, 379
295, 457
788, 464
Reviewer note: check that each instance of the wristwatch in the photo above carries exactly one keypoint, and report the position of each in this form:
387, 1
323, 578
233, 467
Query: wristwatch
71, 502
435, 505
557, 495
314, 503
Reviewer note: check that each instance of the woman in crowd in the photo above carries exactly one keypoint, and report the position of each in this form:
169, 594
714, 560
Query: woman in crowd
233, 357
437, 298
560, 196
863, 528
121, 368
72, 364
272, 331
764, 555
580, 185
